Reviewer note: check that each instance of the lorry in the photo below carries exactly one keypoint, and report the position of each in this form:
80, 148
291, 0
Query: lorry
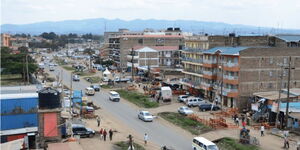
166, 94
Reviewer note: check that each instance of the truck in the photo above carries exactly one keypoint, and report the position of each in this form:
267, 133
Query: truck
166, 94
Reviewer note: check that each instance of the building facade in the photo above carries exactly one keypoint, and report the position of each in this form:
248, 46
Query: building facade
5, 40
237, 72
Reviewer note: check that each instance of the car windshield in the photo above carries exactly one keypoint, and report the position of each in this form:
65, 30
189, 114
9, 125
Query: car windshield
96, 86
115, 95
185, 108
147, 114
212, 147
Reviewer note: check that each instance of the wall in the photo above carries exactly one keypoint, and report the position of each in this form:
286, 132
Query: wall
18, 121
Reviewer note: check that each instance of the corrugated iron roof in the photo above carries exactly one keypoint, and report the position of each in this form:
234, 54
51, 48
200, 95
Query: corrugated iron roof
159, 48
289, 38
226, 50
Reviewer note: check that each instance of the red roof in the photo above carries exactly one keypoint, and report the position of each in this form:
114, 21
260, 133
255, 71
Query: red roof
159, 48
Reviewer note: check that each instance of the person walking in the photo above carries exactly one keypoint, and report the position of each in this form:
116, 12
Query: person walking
237, 120
98, 121
286, 142
145, 138
262, 130
110, 132
244, 124
101, 133
104, 134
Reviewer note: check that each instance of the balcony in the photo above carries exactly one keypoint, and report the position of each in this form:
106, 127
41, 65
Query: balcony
191, 60
209, 75
192, 50
228, 66
191, 83
194, 72
129, 57
230, 79
230, 92
206, 86
209, 63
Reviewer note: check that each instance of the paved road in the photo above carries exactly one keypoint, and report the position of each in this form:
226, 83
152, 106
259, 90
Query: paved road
157, 132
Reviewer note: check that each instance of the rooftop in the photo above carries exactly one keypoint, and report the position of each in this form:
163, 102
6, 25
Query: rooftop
146, 49
153, 36
225, 50
18, 89
159, 48
289, 38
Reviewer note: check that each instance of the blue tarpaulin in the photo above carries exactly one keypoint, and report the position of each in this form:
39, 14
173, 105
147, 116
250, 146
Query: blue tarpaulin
77, 96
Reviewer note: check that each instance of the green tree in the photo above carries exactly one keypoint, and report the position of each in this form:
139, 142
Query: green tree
16, 63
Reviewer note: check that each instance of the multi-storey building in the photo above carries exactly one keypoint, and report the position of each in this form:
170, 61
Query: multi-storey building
5, 40
143, 58
238, 72
122, 45
167, 56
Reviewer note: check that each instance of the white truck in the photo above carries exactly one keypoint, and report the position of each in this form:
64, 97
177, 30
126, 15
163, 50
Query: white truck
166, 94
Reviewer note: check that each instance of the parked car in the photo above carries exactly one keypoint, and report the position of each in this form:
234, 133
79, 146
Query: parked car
82, 131
182, 98
96, 87
114, 96
76, 78
145, 116
67, 92
185, 110
194, 101
204, 107
89, 91
51, 68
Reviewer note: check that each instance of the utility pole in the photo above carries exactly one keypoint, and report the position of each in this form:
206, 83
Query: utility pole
279, 96
132, 66
27, 71
288, 92
221, 98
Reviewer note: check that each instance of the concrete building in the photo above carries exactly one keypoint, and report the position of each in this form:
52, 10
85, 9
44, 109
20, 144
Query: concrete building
238, 72
196, 42
120, 44
143, 58
5, 40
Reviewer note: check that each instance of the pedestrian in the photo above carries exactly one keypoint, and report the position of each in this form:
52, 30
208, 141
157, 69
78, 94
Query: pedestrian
237, 120
101, 133
104, 134
262, 130
110, 132
286, 142
98, 121
145, 138
243, 118
244, 124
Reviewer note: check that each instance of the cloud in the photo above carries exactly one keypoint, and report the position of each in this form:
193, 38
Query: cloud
271, 13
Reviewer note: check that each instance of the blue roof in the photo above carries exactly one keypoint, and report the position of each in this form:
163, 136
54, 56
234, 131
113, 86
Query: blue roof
289, 38
226, 50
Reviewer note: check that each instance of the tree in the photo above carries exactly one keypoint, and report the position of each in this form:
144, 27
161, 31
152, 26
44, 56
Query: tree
23, 50
89, 51
15, 63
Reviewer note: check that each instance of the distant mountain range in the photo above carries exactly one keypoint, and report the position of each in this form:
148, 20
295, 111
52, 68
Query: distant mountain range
100, 25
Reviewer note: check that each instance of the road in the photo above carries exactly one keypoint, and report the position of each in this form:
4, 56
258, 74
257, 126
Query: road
158, 133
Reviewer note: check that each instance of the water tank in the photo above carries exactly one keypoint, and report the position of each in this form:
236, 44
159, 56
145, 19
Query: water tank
49, 99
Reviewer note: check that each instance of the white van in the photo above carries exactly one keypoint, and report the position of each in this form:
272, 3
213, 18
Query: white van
194, 101
89, 91
201, 143
114, 96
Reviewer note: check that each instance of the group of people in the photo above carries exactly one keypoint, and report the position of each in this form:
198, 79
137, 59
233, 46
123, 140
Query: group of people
103, 133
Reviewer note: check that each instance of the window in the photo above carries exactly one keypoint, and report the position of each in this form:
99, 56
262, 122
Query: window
271, 73
284, 60
270, 85
141, 41
271, 60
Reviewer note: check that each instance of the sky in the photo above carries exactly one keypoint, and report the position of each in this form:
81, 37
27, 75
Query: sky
262, 13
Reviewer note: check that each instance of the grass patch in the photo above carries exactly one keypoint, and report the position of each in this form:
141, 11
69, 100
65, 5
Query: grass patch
184, 122
68, 68
105, 86
137, 98
93, 79
233, 144
124, 145
11, 79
